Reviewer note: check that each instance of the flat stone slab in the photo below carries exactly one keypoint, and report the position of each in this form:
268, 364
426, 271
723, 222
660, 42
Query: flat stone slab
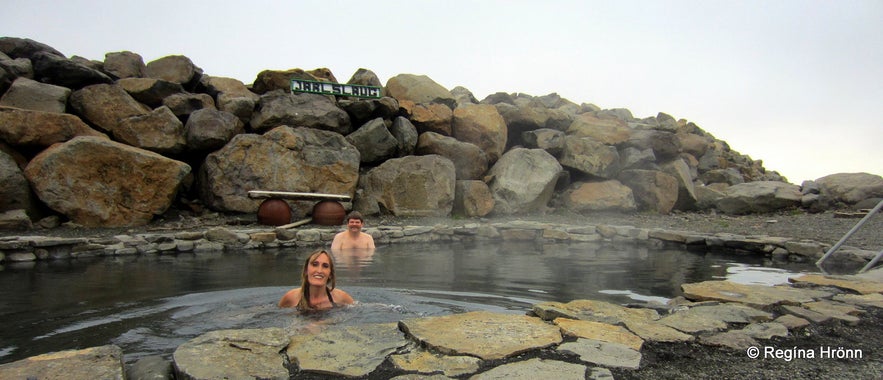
345, 351
839, 311
603, 353
657, 332
425, 362
842, 282
758, 296
599, 331
590, 310
693, 323
233, 354
766, 330
804, 313
736, 340
483, 334
875, 299
730, 312
104, 362
534, 369
792, 322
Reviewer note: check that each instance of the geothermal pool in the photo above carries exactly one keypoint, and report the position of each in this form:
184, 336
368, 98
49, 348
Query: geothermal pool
148, 305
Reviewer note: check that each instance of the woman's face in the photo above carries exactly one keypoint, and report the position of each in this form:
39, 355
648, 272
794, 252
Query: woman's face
319, 270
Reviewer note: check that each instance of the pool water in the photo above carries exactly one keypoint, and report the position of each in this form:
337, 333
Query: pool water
148, 305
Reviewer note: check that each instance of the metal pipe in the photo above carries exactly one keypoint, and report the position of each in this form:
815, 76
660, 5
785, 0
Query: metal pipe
872, 262
848, 234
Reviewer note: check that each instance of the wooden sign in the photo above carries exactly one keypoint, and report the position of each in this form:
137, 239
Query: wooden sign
339, 89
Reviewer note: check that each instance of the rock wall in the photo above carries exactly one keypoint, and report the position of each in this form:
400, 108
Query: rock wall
117, 142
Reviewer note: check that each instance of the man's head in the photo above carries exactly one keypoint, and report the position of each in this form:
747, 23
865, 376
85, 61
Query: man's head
354, 221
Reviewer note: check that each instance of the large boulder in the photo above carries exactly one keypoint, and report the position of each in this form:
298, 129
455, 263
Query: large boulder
430, 117
679, 169
231, 95
590, 157
653, 190
36, 129
58, 70
210, 129
408, 186
759, 197
550, 140
100, 183
150, 91
610, 195
124, 64
272, 80
523, 180
283, 159
303, 110
233, 354
173, 68
105, 105
419, 89
610, 131
470, 162
374, 141
15, 192
850, 188
159, 131
104, 362
472, 198
482, 125
16, 47
406, 136
665, 145
30, 94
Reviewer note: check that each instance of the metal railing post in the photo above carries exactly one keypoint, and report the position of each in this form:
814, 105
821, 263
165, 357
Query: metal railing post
848, 234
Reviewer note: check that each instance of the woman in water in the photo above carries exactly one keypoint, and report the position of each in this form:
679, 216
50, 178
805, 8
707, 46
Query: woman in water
317, 289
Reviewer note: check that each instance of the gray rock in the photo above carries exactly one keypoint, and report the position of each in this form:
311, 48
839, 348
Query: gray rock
104, 105
483, 334
653, 190
603, 353
523, 180
278, 108
158, 131
150, 91
173, 68
759, 197
211, 129
124, 64
535, 368
233, 354
406, 136
30, 94
408, 186
590, 157
418, 89
58, 70
850, 188
350, 351
183, 104
104, 362
470, 162
135, 184
374, 141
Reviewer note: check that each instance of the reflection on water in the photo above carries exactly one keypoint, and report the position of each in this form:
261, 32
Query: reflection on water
151, 304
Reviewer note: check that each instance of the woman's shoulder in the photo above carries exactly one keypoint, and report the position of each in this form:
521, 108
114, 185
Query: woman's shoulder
342, 297
290, 298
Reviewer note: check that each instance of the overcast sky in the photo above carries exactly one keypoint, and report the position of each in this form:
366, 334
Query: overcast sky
797, 84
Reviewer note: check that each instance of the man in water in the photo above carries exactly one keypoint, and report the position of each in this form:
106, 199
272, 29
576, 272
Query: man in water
353, 237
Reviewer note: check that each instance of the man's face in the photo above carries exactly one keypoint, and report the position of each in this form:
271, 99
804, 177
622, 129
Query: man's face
354, 225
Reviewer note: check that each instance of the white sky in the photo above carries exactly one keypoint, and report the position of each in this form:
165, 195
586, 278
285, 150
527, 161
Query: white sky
797, 84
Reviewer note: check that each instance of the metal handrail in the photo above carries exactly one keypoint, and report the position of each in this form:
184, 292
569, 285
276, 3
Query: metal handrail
849, 234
